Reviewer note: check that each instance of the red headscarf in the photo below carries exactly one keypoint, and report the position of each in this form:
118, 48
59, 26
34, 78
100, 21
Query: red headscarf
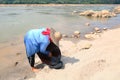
47, 32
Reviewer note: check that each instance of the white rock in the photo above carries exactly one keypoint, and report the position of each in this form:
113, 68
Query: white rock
76, 32
86, 46
104, 29
96, 29
89, 36
64, 35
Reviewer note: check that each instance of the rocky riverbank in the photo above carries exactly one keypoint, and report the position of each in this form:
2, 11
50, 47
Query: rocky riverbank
102, 13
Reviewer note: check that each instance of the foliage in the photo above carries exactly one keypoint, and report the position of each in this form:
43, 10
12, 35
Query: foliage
60, 1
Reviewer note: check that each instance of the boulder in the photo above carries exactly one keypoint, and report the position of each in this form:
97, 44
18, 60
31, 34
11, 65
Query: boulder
105, 12
87, 13
117, 10
100, 14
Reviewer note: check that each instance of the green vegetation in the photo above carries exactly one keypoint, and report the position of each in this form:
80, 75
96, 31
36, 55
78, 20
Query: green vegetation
60, 1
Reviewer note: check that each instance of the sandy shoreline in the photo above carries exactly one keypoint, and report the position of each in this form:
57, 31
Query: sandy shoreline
101, 61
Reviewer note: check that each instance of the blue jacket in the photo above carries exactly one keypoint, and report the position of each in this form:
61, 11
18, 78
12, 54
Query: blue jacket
35, 42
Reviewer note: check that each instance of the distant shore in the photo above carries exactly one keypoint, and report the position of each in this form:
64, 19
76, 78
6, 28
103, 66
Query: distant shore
2, 5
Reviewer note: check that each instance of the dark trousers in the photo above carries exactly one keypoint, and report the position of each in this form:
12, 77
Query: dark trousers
56, 56
44, 59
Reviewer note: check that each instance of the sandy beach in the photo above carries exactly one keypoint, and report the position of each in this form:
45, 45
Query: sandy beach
100, 62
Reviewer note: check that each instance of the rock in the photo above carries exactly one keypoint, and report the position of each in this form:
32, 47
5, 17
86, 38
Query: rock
92, 36
104, 29
65, 36
99, 14
18, 53
96, 14
25, 77
86, 46
16, 63
113, 14
116, 10
89, 36
87, 24
87, 13
97, 29
91, 32
76, 34
74, 11
105, 12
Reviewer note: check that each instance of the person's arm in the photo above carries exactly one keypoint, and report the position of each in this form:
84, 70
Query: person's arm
43, 47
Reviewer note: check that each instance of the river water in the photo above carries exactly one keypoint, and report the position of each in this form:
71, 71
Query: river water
16, 20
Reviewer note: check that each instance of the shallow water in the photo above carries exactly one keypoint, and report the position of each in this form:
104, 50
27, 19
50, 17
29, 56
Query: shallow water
19, 19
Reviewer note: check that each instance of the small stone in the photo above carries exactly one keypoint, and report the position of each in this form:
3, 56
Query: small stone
91, 32
65, 36
72, 36
104, 29
89, 36
74, 11
86, 46
87, 24
96, 29
16, 63
18, 54
76, 32
25, 77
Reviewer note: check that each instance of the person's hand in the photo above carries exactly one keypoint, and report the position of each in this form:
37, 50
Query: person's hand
35, 69
50, 54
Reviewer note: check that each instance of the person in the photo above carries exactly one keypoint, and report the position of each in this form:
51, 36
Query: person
45, 43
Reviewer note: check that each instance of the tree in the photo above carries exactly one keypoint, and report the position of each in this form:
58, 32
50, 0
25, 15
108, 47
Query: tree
60, 1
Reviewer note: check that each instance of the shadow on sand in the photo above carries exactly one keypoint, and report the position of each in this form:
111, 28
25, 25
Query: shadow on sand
70, 60
64, 59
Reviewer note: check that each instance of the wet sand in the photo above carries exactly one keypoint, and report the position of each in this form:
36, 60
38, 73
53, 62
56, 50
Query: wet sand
101, 61
14, 65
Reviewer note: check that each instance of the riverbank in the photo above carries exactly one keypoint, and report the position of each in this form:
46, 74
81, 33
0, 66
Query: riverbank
99, 61
2, 5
